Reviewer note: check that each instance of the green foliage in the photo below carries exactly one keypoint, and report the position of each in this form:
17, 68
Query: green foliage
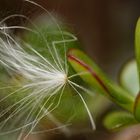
125, 95
118, 119
53, 41
137, 45
129, 77
96, 78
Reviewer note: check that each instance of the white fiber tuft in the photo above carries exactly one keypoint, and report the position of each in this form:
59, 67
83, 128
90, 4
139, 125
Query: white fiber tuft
43, 80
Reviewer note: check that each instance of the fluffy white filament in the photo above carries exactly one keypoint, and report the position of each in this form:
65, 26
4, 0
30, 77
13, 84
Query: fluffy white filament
43, 79
41, 75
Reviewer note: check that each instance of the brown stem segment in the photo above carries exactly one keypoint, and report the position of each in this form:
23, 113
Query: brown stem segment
137, 107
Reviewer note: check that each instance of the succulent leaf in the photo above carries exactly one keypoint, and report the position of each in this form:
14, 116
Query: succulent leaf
118, 119
129, 77
81, 63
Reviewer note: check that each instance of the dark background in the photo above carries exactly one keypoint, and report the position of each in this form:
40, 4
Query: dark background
105, 28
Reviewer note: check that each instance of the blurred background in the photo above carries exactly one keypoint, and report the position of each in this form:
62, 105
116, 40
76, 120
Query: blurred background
105, 28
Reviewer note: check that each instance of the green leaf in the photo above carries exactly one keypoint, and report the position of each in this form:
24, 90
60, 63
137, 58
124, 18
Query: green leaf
129, 77
137, 44
137, 48
118, 119
81, 63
